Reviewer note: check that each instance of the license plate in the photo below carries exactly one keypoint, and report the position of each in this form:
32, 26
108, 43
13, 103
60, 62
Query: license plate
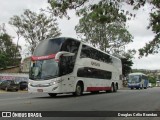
39, 90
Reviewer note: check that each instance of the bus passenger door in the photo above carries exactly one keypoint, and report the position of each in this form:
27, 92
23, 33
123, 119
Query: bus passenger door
68, 83
71, 81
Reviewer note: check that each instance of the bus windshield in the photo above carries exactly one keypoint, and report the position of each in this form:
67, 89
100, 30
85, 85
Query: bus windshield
134, 79
43, 69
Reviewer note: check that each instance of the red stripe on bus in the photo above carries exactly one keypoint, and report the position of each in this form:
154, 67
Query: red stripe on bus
98, 88
43, 57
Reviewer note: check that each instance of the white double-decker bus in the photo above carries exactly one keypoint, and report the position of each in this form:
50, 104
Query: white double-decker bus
66, 65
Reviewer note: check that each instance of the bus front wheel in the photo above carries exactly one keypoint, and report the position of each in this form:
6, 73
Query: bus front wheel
112, 88
141, 87
78, 91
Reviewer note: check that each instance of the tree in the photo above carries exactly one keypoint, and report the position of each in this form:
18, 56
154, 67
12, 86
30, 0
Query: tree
9, 52
153, 46
127, 62
3, 60
111, 38
104, 27
152, 79
60, 7
35, 27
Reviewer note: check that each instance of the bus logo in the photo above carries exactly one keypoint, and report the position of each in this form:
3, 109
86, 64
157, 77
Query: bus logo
95, 63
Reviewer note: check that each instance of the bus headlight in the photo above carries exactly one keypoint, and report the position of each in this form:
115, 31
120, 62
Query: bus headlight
56, 81
52, 83
30, 84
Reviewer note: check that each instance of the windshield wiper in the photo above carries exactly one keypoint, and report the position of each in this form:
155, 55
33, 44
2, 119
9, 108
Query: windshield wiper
50, 76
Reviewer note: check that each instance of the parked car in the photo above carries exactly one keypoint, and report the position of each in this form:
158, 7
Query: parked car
9, 85
150, 85
23, 85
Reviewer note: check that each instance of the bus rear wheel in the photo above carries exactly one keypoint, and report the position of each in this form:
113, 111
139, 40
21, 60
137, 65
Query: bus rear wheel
52, 94
115, 88
112, 88
79, 90
141, 87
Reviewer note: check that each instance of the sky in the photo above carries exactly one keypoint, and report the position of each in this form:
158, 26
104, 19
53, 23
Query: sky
137, 27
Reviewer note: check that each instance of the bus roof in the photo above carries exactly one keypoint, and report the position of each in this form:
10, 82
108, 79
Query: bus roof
83, 42
66, 38
99, 50
137, 73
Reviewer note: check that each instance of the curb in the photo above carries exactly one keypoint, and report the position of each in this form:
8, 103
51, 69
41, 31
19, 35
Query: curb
19, 91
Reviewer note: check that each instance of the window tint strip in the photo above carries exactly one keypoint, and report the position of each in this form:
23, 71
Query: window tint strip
94, 73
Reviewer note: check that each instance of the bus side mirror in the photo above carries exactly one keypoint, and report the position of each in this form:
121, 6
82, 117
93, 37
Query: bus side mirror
69, 54
64, 53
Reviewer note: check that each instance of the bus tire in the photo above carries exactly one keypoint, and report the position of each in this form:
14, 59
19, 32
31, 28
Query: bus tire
79, 90
52, 94
112, 88
115, 87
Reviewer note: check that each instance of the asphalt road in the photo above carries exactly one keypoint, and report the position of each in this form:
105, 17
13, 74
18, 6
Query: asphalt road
123, 100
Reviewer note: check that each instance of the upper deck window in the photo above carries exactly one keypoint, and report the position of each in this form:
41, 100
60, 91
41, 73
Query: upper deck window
89, 52
47, 47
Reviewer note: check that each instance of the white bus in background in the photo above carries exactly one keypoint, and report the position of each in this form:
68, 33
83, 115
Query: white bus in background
137, 80
66, 65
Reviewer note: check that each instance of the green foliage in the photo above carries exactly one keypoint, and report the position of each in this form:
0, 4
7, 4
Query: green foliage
60, 7
126, 66
35, 27
104, 26
153, 46
127, 62
3, 60
9, 52
152, 79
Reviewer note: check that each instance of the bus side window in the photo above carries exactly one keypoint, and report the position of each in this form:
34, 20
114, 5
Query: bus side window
67, 62
65, 65
89, 52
